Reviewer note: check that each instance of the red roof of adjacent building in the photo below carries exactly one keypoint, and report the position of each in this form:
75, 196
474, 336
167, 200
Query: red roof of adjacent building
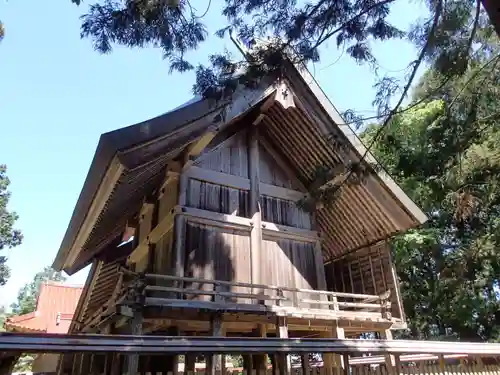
55, 307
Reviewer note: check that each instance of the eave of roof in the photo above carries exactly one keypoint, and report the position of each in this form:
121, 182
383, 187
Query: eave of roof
109, 145
308, 79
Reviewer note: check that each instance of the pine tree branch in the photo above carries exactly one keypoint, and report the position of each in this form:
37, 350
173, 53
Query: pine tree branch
473, 77
362, 13
417, 63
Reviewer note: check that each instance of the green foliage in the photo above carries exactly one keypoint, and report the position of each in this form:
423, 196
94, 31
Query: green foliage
292, 31
9, 237
444, 152
28, 294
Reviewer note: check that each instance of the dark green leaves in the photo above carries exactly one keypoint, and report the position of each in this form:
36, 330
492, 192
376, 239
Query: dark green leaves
139, 23
9, 236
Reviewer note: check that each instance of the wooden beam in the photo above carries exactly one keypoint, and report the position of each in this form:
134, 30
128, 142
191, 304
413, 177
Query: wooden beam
242, 183
153, 238
214, 177
149, 344
197, 147
170, 177
238, 222
281, 192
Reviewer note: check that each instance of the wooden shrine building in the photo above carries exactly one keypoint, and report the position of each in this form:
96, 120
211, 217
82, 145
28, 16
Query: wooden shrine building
191, 224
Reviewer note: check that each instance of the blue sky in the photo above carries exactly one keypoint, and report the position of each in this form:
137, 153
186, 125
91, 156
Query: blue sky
57, 96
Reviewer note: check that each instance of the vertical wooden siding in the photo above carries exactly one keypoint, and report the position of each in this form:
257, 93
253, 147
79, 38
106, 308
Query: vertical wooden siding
217, 198
285, 212
231, 159
269, 173
366, 271
217, 254
288, 263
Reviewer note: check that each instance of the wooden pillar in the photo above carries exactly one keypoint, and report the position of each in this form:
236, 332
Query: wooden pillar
136, 329
174, 359
215, 362
85, 364
304, 361
260, 360
345, 368
77, 360
189, 363
98, 364
180, 230
247, 363
255, 212
332, 360
282, 360
116, 364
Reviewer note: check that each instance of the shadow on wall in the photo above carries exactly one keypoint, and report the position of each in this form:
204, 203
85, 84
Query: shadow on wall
216, 254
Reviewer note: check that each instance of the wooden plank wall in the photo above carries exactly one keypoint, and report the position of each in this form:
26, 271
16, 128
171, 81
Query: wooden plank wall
366, 271
212, 252
289, 263
284, 212
269, 174
217, 254
230, 157
217, 198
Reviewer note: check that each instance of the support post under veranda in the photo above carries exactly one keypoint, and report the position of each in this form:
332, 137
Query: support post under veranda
215, 363
136, 329
333, 361
391, 360
282, 361
259, 361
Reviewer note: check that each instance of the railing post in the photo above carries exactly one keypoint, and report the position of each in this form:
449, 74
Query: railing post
218, 297
335, 303
279, 293
385, 305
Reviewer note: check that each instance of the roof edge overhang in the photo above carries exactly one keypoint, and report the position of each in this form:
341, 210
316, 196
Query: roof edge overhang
386, 180
112, 159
